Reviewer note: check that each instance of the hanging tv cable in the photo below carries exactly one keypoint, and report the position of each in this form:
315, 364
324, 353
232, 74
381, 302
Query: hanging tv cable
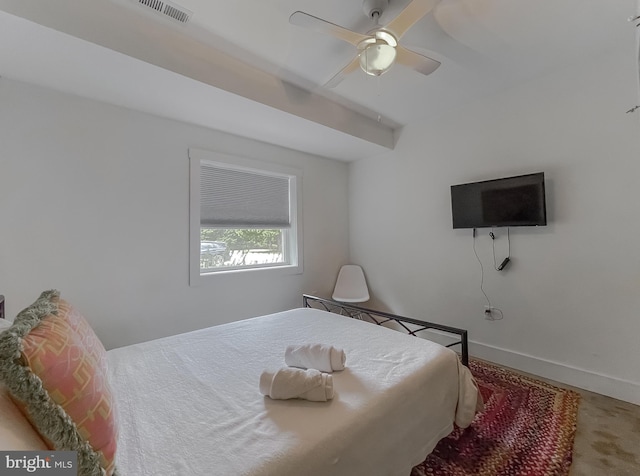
505, 261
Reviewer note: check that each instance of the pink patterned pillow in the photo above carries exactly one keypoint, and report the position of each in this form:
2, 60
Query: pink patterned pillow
56, 369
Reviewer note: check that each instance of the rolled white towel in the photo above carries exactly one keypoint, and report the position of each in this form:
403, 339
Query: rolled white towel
289, 383
325, 358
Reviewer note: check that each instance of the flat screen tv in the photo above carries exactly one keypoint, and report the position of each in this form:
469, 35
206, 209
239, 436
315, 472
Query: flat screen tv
510, 201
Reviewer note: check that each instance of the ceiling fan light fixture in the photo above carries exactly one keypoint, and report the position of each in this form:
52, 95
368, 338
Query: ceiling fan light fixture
377, 58
378, 49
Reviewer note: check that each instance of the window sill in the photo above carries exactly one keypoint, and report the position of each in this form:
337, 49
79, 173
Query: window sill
270, 271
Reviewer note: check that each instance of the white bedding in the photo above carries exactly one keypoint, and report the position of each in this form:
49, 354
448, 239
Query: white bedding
189, 405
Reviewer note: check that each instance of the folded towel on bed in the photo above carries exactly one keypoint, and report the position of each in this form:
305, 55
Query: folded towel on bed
289, 383
325, 358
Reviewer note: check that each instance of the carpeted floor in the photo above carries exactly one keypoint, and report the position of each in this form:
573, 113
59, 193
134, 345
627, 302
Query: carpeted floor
526, 429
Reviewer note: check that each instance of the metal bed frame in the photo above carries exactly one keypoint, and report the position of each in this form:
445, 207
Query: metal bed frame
379, 317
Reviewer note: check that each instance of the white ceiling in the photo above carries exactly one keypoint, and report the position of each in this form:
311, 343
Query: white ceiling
240, 67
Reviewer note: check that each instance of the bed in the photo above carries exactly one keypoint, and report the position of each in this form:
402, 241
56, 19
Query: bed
189, 404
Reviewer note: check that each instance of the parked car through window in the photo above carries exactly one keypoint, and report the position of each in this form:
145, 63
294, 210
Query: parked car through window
212, 254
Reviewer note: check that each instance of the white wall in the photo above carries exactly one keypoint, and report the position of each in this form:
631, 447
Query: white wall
94, 202
571, 296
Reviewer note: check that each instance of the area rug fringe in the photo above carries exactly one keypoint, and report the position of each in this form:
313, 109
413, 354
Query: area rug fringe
526, 429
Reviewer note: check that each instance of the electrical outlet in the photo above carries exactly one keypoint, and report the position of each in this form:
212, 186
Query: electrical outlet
487, 312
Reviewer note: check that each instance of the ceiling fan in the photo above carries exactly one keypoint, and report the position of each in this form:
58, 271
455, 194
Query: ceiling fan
379, 49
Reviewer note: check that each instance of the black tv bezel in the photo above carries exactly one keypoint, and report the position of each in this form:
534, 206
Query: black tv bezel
516, 179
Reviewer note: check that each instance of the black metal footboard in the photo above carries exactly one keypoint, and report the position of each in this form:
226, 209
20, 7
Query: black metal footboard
380, 318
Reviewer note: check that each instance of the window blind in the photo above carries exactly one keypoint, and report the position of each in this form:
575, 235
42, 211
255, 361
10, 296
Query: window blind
232, 198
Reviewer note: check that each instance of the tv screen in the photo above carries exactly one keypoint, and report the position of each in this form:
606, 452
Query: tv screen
511, 201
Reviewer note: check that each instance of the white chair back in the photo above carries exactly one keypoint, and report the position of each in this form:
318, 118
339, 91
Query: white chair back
351, 285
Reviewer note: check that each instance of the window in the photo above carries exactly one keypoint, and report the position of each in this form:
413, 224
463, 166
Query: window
244, 215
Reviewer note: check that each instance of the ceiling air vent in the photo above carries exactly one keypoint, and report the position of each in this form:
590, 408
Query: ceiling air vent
168, 9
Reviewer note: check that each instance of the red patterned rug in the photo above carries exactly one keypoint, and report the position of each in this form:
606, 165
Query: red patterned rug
526, 429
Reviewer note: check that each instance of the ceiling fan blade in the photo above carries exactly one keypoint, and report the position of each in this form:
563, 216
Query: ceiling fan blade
420, 63
350, 68
318, 24
410, 15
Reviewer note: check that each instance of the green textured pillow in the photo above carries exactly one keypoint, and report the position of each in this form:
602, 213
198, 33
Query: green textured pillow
55, 369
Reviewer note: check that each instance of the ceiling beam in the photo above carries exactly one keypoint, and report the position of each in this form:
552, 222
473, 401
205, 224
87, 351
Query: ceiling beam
135, 34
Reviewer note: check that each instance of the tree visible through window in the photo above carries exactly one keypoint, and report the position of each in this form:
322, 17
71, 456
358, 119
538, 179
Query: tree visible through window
222, 247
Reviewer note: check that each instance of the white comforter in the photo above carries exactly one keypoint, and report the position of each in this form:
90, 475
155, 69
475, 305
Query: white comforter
189, 405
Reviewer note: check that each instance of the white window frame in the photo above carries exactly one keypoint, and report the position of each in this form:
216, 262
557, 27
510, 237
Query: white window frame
293, 244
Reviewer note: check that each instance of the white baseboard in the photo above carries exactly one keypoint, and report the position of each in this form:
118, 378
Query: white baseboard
594, 382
